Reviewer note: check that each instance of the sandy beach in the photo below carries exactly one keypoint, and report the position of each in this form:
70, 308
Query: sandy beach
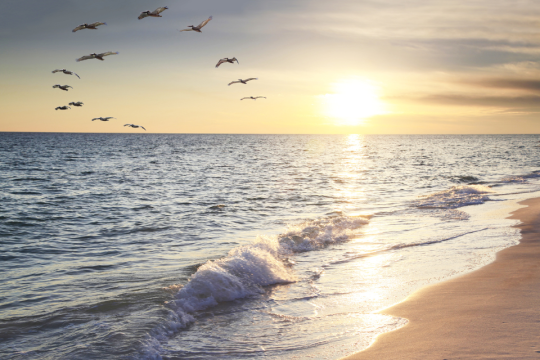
491, 313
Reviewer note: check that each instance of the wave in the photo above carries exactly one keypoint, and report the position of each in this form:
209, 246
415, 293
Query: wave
455, 197
465, 179
247, 269
521, 178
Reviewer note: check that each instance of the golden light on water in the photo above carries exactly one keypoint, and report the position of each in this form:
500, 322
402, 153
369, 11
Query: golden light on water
352, 102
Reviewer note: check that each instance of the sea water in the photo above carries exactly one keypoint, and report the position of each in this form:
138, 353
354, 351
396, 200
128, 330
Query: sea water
176, 246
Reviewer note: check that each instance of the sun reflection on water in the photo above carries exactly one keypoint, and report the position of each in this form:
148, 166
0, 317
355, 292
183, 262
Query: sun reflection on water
348, 180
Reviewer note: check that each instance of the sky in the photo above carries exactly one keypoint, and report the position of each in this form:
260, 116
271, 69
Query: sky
325, 67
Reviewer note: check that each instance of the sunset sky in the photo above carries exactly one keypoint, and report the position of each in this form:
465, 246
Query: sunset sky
341, 66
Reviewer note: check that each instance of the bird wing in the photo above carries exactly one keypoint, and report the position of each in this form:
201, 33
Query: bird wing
56, 86
76, 75
97, 24
250, 79
57, 70
142, 15
260, 97
85, 57
247, 97
96, 119
108, 53
128, 124
80, 27
159, 10
233, 82
235, 59
221, 61
109, 117
186, 30
143, 128
71, 103
204, 22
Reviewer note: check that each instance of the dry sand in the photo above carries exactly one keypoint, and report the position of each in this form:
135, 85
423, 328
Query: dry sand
491, 313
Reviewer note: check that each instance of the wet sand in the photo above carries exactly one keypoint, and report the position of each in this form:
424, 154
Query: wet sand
491, 313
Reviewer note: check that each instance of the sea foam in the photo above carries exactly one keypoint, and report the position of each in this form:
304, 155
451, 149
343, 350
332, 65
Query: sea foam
456, 196
247, 269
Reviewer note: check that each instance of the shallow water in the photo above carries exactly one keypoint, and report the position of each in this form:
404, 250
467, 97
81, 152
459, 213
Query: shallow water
106, 238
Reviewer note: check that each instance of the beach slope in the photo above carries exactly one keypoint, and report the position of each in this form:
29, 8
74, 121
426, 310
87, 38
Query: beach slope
491, 313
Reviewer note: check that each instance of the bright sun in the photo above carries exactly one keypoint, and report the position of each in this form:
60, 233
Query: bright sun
352, 102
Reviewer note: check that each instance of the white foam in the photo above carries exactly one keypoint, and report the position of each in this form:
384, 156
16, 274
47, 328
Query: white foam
455, 197
246, 269
521, 178
316, 234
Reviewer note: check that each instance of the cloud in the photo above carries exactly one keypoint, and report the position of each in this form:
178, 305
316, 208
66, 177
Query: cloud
508, 83
528, 103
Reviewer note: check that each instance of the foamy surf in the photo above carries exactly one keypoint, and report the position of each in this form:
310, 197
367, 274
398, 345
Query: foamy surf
456, 196
247, 269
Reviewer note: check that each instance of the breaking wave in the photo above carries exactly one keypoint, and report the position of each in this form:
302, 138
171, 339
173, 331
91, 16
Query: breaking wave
521, 178
455, 197
246, 270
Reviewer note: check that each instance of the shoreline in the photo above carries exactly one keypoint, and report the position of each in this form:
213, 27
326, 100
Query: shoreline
490, 313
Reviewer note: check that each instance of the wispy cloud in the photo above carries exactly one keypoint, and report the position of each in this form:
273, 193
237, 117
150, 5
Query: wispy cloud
524, 103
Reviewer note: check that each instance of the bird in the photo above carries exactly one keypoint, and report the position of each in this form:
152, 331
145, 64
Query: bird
63, 87
154, 13
62, 107
103, 119
97, 56
198, 27
78, 103
242, 81
253, 98
224, 60
92, 26
67, 72
135, 126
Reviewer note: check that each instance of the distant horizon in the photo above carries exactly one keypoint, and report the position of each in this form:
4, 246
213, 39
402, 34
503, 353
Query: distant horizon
333, 134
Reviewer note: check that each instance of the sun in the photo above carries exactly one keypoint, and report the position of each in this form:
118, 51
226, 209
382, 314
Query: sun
352, 102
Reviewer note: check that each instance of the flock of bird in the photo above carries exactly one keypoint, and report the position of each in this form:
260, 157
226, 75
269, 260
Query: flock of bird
100, 56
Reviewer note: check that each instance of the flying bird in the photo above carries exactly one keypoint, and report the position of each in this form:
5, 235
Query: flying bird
224, 60
242, 81
62, 107
198, 27
154, 13
251, 97
97, 56
103, 119
92, 26
135, 126
78, 103
63, 87
67, 72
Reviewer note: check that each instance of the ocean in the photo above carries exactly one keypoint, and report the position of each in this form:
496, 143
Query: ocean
181, 246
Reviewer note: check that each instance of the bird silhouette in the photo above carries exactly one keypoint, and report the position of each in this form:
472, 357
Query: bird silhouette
242, 81
92, 26
154, 13
224, 60
253, 98
62, 87
97, 56
198, 27
67, 72
135, 126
